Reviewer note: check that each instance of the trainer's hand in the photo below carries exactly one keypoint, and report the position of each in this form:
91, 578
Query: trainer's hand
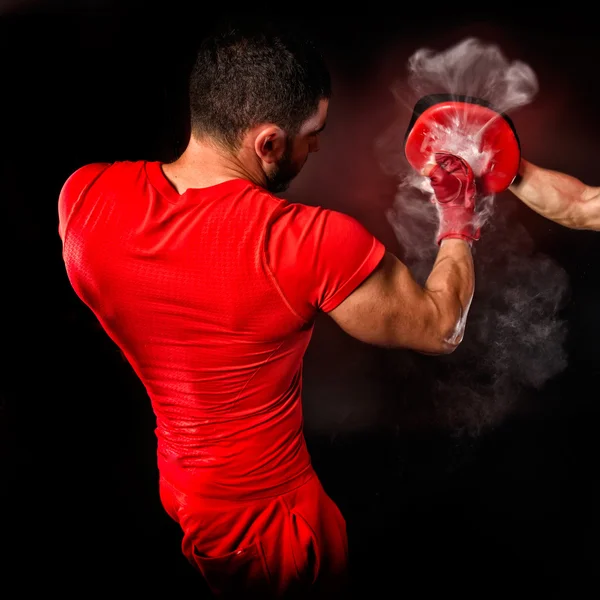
453, 184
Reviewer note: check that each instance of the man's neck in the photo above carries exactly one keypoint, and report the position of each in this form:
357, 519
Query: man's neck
204, 164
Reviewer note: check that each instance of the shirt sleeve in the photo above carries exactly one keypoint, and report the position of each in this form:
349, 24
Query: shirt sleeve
318, 257
72, 190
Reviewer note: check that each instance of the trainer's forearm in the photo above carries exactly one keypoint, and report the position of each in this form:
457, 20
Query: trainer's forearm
559, 197
450, 286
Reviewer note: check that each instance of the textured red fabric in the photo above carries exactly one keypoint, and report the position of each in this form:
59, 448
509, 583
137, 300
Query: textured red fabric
211, 296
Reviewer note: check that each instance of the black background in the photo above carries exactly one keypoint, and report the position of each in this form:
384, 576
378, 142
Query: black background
510, 510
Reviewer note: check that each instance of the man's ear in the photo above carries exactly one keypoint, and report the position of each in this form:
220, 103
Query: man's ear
270, 144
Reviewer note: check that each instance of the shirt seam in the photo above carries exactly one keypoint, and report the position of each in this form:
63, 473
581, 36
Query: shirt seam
272, 276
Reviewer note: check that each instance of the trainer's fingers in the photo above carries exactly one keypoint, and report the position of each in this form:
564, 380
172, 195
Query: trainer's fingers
451, 163
428, 168
437, 176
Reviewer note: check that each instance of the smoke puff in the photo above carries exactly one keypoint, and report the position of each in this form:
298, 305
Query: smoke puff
473, 68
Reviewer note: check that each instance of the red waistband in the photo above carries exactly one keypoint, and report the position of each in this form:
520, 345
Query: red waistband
240, 490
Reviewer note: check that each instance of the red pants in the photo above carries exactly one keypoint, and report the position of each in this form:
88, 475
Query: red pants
288, 546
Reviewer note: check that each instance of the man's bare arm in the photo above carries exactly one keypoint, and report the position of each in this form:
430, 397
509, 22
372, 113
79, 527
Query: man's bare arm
559, 197
391, 309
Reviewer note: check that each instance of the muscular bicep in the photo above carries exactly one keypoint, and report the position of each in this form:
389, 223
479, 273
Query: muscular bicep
391, 309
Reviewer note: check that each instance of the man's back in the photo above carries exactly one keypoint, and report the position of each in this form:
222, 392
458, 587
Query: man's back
204, 294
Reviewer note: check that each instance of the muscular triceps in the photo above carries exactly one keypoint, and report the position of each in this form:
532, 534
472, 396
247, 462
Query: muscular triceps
390, 309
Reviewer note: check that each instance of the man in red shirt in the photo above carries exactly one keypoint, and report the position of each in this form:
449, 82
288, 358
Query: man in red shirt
209, 284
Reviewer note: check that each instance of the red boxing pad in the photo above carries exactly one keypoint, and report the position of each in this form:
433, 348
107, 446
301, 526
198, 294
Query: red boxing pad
467, 127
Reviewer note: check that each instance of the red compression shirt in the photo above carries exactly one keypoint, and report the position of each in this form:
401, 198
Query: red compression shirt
211, 296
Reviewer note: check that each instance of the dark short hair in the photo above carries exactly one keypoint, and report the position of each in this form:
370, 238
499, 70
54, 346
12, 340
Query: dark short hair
247, 75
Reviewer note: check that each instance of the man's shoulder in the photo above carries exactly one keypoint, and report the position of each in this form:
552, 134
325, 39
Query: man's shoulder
314, 215
97, 176
76, 185
83, 176
294, 209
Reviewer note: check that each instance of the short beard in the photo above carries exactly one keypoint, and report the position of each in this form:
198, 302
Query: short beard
280, 179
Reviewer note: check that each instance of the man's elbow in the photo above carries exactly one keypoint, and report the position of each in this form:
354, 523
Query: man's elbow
449, 334
441, 346
449, 346
438, 344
